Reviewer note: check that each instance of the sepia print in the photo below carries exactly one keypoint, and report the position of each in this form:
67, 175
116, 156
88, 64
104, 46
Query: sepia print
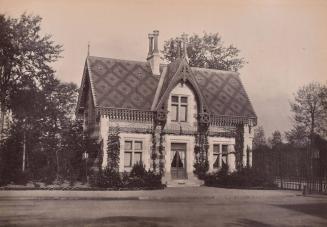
163, 113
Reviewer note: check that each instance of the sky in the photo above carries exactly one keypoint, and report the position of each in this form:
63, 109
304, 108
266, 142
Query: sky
284, 42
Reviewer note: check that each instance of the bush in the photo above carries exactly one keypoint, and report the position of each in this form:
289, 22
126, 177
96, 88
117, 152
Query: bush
201, 169
246, 177
22, 178
138, 170
139, 177
108, 178
48, 175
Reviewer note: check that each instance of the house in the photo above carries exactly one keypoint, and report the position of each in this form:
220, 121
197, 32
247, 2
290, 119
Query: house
172, 117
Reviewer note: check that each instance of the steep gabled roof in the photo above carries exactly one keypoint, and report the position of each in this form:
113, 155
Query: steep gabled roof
224, 92
131, 85
121, 83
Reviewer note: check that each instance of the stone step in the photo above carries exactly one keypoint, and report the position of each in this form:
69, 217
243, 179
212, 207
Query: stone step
184, 183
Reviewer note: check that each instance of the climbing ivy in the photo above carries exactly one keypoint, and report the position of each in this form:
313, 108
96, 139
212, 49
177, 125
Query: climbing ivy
201, 165
161, 151
239, 141
113, 148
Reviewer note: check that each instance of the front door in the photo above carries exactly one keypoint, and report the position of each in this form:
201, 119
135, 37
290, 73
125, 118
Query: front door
178, 161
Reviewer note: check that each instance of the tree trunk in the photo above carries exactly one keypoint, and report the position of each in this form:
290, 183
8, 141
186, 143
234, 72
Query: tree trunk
24, 152
2, 120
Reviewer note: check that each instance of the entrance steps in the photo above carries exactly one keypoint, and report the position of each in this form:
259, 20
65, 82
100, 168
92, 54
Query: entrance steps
184, 183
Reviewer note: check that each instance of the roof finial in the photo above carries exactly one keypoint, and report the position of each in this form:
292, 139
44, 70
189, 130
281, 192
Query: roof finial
88, 48
185, 39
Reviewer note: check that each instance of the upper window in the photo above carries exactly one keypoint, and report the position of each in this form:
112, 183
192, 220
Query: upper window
179, 108
133, 152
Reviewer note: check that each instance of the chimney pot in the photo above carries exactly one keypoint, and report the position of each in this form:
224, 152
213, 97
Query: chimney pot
150, 36
155, 43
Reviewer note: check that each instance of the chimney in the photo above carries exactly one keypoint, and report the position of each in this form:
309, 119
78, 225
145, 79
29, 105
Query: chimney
153, 55
150, 36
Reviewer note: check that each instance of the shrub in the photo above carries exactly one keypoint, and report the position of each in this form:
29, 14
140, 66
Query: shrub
246, 177
201, 169
108, 178
22, 178
139, 177
138, 170
48, 175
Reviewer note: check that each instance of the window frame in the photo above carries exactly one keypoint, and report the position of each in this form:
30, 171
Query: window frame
216, 155
132, 151
179, 104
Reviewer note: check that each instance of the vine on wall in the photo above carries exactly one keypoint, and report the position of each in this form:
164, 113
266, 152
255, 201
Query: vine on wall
161, 151
201, 165
239, 146
113, 148
157, 154
154, 148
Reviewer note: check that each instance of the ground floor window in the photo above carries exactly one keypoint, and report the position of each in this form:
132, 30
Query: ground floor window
224, 151
132, 152
216, 156
220, 152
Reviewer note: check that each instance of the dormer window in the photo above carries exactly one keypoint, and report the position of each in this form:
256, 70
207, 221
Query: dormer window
179, 108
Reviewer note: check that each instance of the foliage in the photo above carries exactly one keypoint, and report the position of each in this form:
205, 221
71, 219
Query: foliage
154, 154
25, 55
138, 170
206, 51
309, 112
139, 177
108, 178
201, 165
239, 145
246, 177
113, 149
161, 152
259, 138
276, 139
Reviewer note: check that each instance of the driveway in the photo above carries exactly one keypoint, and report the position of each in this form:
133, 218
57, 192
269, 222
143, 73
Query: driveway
198, 206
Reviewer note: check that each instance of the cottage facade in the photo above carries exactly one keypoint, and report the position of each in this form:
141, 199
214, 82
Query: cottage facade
169, 116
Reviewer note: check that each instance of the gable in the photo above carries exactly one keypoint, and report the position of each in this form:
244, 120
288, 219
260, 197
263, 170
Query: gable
121, 83
179, 71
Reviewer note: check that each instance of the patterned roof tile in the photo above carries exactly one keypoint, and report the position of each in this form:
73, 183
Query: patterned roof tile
131, 84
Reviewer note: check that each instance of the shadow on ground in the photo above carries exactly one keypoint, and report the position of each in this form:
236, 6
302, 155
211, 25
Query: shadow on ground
115, 221
314, 209
243, 222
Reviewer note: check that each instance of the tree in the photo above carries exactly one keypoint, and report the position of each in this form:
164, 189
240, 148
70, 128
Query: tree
24, 54
259, 138
206, 51
276, 139
309, 113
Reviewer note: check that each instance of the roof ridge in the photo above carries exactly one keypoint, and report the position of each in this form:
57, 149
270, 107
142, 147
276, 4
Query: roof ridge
117, 59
